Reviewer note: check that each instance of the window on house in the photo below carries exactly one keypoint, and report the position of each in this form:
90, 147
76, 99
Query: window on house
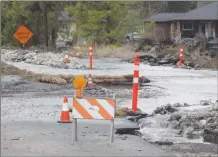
187, 26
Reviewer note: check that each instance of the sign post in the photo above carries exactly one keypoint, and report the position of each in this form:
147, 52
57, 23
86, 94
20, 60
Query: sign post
23, 35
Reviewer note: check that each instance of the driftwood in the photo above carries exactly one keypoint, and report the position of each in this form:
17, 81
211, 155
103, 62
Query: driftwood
116, 79
64, 79
52, 79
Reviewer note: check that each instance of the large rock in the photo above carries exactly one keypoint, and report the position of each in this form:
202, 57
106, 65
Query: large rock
122, 111
215, 106
210, 136
143, 79
202, 123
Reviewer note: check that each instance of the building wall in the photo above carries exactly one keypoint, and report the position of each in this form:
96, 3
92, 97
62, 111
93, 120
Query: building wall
215, 28
161, 32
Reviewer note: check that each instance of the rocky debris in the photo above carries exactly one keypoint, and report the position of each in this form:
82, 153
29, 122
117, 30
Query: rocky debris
177, 105
197, 123
164, 109
164, 60
40, 58
205, 102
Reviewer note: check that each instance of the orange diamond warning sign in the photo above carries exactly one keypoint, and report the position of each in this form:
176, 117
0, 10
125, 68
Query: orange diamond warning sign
23, 34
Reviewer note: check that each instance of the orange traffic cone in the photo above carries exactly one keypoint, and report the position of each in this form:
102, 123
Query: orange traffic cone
90, 83
65, 114
66, 60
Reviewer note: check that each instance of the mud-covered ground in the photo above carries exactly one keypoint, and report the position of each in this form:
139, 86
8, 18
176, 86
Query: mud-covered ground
29, 107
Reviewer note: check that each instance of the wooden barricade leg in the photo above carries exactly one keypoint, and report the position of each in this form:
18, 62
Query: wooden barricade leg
74, 130
112, 132
112, 126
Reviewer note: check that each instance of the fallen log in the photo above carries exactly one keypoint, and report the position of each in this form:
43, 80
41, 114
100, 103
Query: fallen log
68, 78
64, 79
117, 79
52, 79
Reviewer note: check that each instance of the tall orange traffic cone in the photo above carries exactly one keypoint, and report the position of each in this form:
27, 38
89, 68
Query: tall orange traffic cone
65, 114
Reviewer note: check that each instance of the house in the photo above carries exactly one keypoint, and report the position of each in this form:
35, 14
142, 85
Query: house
172, 26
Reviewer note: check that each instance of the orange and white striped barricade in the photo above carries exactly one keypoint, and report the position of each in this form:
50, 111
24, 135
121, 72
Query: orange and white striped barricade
93, 109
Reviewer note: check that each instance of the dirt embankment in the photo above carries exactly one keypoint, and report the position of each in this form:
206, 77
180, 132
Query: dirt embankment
7, 69
169, 56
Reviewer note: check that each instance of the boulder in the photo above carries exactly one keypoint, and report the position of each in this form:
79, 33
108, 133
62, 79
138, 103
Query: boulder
210, 136
215, 106
202, 123
143, 79
122, 111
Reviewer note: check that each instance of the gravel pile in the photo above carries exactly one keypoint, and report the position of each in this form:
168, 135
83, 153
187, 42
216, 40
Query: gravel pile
40, 58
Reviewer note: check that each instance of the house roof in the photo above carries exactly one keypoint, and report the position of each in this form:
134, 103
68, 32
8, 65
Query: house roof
206, 12
162, 17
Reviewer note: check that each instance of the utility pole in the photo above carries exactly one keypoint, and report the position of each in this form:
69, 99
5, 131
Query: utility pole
45, 21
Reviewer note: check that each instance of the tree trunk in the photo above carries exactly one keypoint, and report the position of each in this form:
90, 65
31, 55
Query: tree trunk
45, 26
53, 38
